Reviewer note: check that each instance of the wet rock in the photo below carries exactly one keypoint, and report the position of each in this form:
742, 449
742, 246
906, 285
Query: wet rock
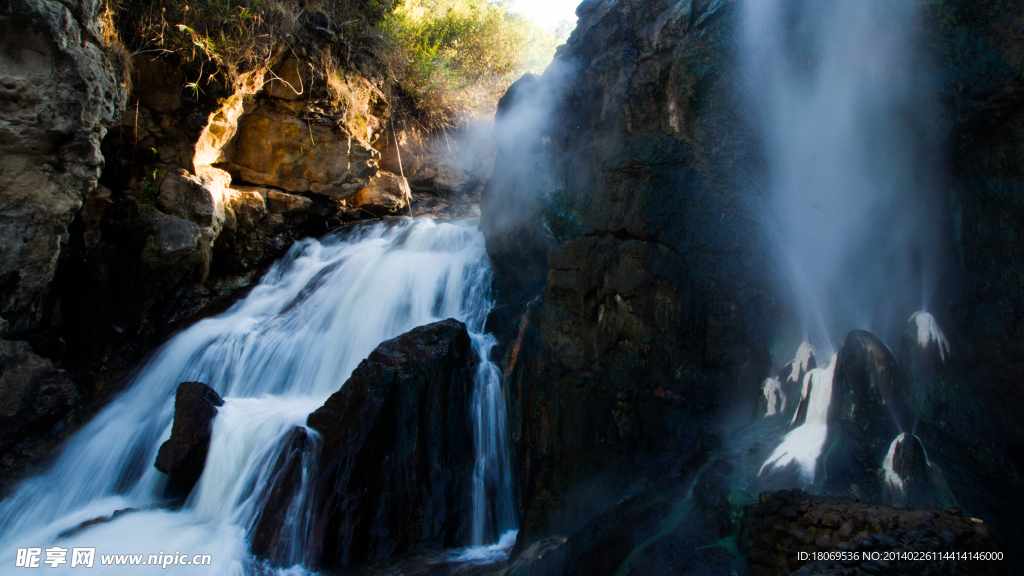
396, 465
36, 401
183, 455
909, 478
279, 532
173, 239
866, 377
771, 542
909, 460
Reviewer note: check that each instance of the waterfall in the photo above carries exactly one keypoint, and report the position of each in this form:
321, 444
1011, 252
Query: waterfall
275, 356
839, 95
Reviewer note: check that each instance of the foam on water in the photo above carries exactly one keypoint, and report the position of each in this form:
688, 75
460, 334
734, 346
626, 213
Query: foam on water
928, 331
773, 395
891, 477
803, 445
801, 361
275, 356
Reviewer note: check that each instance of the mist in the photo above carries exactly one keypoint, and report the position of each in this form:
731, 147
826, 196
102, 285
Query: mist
839, 91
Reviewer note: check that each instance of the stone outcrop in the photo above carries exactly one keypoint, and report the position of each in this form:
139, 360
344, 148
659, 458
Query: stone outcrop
275, 147
784, 523
60, 90
396, 464
867, 411
183, 456
386, 194
170, 234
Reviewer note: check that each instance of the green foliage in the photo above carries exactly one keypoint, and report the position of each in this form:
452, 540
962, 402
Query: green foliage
150, 187
461, 55
541, 45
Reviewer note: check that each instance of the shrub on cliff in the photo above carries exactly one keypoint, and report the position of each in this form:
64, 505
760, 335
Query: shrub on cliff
443, 60
461, 55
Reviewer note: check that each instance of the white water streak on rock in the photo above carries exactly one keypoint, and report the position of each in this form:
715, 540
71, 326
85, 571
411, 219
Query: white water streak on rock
775, 397
803, 445
928, 331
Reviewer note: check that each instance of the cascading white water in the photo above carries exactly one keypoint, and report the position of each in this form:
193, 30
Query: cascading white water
928, 331
775, 398
275, 356
803, 444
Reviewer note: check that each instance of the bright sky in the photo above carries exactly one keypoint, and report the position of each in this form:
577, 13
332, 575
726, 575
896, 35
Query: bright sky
547, 13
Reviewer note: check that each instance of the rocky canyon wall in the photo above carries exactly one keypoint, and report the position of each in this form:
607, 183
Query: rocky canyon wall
633, 284
60, 90
638, 307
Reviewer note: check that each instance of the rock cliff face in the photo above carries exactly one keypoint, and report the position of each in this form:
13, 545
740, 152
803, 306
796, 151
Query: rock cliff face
981, 54
632, 286
198, 189
60, 89
202, 190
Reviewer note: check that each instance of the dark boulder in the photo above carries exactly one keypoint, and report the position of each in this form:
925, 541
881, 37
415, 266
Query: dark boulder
867, 410
865, 379
910, 478
909, 460
396, 465
183, 455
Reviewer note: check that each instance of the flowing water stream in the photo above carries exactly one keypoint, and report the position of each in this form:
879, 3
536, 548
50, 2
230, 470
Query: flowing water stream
275, 356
